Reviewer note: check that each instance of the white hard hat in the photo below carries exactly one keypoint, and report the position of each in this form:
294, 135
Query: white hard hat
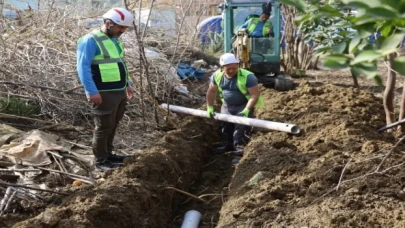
119, 16
228, 58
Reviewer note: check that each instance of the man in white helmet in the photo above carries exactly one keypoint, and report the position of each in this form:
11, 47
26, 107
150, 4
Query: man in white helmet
105, 78
239, 93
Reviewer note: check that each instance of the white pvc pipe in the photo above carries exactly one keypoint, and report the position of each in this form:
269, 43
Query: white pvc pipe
285, 127
191, 219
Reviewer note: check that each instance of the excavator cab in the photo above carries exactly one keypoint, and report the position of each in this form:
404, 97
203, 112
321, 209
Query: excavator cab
261, 55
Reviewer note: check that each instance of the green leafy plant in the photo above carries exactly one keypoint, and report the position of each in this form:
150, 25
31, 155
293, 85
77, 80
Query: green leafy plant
385, 16
18, 107
355, 51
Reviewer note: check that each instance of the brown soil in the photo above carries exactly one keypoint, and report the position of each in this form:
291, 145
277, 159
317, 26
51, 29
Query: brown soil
338, 172
211, 186
140, 194
302, 183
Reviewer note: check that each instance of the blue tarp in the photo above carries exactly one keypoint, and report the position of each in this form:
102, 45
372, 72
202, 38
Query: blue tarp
185, 71
207, 26
10, 14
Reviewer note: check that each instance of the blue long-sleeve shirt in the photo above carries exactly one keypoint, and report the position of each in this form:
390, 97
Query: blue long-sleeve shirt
258, 32
86, 50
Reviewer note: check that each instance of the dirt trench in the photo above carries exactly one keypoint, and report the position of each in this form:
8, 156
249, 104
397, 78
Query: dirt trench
141, 194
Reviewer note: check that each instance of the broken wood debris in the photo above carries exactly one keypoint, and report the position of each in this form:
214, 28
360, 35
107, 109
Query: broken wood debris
73, 176
32, 188
12, 192
20, 170
25, 170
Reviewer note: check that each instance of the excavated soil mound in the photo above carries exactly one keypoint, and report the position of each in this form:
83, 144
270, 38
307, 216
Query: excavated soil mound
338, 173
144, 192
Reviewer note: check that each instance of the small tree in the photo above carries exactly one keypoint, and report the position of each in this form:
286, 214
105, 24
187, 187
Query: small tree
296, 56
355, 51
308, 35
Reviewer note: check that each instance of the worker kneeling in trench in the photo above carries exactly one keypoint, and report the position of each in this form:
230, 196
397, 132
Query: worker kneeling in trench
239, 93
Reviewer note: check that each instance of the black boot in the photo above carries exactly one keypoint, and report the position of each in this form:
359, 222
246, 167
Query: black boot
117, 158
105, 165
226, 148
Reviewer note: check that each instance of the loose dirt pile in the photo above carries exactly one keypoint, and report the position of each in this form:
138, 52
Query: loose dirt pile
316, 179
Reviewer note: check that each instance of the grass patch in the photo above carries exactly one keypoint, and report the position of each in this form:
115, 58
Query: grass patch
19, 107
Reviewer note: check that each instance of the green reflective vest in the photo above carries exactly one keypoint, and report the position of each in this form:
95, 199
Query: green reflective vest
108, 69
241, 82
253, 24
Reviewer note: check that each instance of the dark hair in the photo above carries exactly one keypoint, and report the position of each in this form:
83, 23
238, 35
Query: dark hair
266, 13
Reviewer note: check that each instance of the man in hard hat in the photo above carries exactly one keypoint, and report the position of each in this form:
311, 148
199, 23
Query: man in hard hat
239, 92
105, 78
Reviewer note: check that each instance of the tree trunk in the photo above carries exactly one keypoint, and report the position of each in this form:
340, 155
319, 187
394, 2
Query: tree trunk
401, 127
389, 92
314, 64
355, 81
298, 55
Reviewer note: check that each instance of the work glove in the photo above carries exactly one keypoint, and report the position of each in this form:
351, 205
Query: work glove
244, 113
210, 111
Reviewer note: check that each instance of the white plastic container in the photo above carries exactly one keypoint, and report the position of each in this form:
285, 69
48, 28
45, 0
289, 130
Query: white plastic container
191, 219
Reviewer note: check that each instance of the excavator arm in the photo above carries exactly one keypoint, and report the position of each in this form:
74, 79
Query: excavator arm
243, 48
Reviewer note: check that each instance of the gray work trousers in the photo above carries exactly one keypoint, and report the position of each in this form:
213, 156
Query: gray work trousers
106, 118
236, 134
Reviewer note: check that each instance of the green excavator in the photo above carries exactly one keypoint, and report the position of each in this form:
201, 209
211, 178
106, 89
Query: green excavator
262, 60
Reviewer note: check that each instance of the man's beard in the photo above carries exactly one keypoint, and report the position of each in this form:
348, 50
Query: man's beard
111, 35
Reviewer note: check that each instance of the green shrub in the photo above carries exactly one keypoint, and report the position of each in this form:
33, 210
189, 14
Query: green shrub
19, 107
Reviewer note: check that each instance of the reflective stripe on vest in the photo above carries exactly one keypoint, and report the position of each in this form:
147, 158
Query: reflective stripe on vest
253, 24
241, 82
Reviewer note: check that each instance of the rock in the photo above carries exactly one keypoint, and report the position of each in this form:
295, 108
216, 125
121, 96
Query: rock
369, 147
353, 191
401, 195
199, 63
255, 179
50, 218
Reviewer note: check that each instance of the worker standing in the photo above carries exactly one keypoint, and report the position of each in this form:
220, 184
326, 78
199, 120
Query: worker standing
239, 92
105, 77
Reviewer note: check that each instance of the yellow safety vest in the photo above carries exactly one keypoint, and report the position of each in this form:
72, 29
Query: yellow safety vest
241, 82
108, 69
253, 24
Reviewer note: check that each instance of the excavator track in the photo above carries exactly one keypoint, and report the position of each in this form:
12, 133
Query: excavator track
280, 82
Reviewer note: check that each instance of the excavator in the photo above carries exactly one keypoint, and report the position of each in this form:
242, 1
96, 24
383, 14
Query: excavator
263, 61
